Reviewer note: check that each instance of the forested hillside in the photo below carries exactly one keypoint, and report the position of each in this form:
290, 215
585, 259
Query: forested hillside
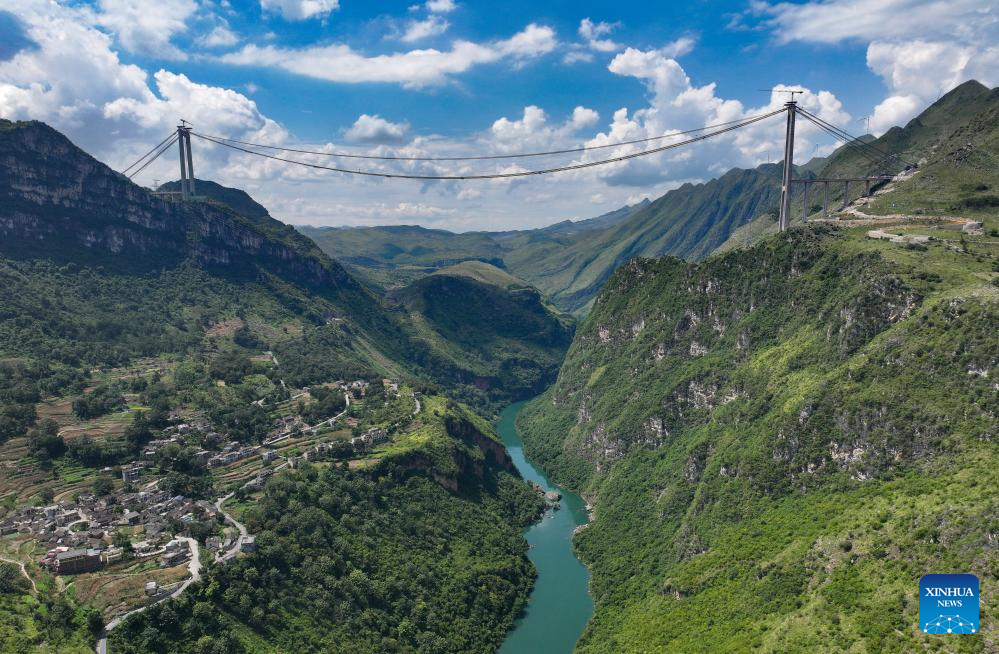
190, 351
77, 235
387, 560
500, 337
568, 261
779, 442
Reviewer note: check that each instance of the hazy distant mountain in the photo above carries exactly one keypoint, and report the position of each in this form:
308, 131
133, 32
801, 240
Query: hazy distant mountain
570, 261
159, 270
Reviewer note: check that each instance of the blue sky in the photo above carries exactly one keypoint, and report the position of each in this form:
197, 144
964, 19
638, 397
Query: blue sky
463, 77
741, 61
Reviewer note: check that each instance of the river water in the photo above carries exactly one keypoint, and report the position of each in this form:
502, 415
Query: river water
560, 604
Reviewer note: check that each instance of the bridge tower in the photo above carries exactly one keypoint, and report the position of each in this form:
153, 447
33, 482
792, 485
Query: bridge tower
186, 160
784, 219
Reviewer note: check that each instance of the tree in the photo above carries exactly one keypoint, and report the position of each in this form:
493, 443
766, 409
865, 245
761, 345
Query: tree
11, 579
230, 366
45, 442
104, 399
95, 622
103, 486
138, 433
122, 540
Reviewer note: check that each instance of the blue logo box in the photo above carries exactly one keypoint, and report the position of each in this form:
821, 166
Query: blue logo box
948, 604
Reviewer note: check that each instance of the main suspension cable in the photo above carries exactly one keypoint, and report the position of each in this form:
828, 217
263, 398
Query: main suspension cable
849, 139
162, 149
522, 155
155, 148
873, 156
524, 173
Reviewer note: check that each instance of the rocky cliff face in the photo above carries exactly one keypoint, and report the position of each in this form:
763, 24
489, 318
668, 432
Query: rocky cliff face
58, 202
670, 344
461, 452
735, 423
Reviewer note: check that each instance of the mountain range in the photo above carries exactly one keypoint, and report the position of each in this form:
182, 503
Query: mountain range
777, 434
63, 206
570, 261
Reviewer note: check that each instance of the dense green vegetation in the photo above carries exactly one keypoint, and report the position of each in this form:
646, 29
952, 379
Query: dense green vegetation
386, 560
779, 442
395, 255
45, 621
122, 314
567, 262
156, 286
486, 341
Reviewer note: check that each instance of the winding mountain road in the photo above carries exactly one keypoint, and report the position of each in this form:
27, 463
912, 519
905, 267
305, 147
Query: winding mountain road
24, 571
193, 567
221, 557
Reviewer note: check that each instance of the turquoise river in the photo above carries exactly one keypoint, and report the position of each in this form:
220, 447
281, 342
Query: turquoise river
560, 604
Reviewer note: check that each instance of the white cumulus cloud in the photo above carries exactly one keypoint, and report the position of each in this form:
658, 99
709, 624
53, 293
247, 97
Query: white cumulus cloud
220, 37
411, 69
417, 30
147, 27
920, 48
300, 9
591, 33
533, 131
441, 6
375, 129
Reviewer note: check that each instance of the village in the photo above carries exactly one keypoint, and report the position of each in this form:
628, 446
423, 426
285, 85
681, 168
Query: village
137, 528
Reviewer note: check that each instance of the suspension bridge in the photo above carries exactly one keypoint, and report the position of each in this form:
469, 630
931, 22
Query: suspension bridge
293, 156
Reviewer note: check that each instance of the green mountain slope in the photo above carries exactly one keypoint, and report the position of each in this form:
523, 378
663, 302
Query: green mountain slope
498, 338
385, 560
920, 140
97, 270
570, 262
485, 335
483, 272
194, 305
602, 221
955, 144
61, 204
779, 442
688, 222
396, 255
236, 199
157, 272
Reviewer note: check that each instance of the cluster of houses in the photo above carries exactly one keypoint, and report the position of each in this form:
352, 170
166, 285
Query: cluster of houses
323, 450
231, 454
65, 560
78, 534
370, 438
